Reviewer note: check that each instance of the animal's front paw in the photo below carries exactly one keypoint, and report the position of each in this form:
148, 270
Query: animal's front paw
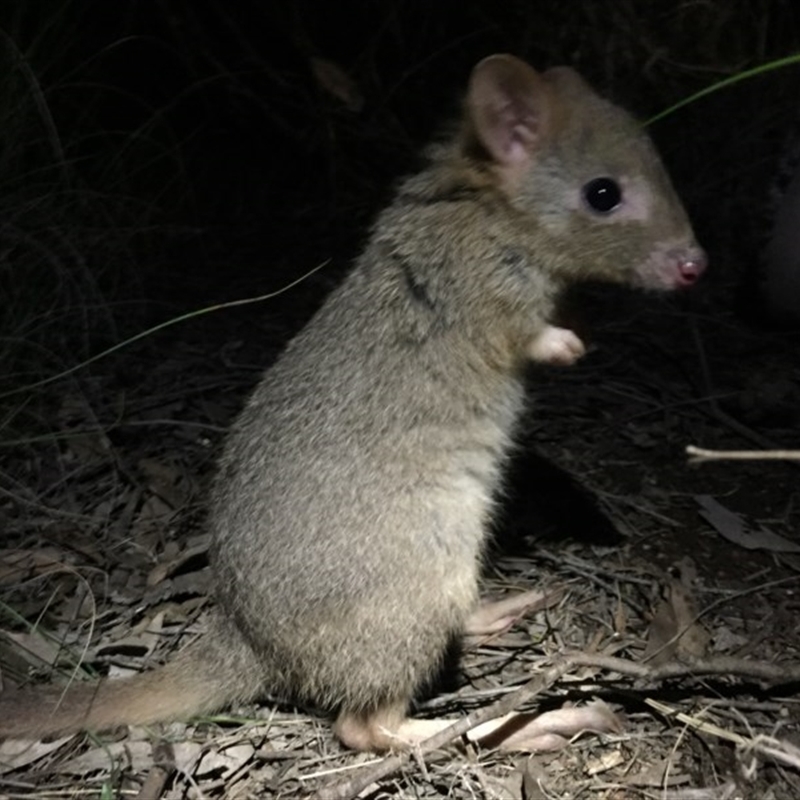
559, 346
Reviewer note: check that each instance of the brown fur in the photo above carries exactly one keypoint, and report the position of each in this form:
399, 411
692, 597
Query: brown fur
350, 511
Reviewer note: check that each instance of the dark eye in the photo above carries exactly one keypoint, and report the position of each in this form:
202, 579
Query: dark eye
602, 194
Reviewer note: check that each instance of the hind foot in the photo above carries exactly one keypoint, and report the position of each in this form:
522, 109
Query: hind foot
496, 617
376, 731
387, 728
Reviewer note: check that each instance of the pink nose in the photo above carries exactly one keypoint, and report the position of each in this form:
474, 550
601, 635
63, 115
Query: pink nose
692, 267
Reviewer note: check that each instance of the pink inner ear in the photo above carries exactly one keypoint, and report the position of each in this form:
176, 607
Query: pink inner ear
509, 134
508, 103
522, 139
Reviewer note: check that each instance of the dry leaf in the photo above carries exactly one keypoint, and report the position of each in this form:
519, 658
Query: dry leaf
163, 570
37, 649
693, 639
166, 481
533, 777
228, 760
733, 528
659, 774
17, 566
141, 641
726, 641
547, 732
154, 510
674, 629
595, 765
335, 81
16, 753
133, 756
187, 755
661, 643
194, 583
89, 444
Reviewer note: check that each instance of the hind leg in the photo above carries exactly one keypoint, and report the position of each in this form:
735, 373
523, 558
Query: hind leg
389, 728
386, 728
496, 617
376, 730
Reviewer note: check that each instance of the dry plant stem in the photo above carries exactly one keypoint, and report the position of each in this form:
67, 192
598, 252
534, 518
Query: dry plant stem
759, 670
700, 454
777, 750
767, 746
724, 665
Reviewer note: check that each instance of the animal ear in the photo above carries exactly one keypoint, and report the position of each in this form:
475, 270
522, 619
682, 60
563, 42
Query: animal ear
511, 108
566, 81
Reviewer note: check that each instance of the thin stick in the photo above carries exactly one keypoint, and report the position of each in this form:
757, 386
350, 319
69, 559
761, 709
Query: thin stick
700, 454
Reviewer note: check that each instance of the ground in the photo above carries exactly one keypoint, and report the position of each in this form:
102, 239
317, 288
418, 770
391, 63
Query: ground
672, 586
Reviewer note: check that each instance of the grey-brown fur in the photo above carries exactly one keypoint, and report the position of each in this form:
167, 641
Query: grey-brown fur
350, 511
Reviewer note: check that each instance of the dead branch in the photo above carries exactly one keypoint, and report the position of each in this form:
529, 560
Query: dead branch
699, 455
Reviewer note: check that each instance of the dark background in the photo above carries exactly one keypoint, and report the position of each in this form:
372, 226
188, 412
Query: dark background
157, 158
187, 153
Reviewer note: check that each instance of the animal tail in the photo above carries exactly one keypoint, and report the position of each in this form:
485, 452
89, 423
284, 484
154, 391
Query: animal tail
217, 670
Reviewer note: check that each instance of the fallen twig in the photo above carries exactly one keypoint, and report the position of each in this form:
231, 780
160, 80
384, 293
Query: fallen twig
698, 455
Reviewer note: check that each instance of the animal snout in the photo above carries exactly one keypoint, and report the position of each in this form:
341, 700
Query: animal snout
691, 265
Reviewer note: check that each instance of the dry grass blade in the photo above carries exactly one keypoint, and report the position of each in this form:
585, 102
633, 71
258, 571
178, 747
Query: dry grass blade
770, 747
